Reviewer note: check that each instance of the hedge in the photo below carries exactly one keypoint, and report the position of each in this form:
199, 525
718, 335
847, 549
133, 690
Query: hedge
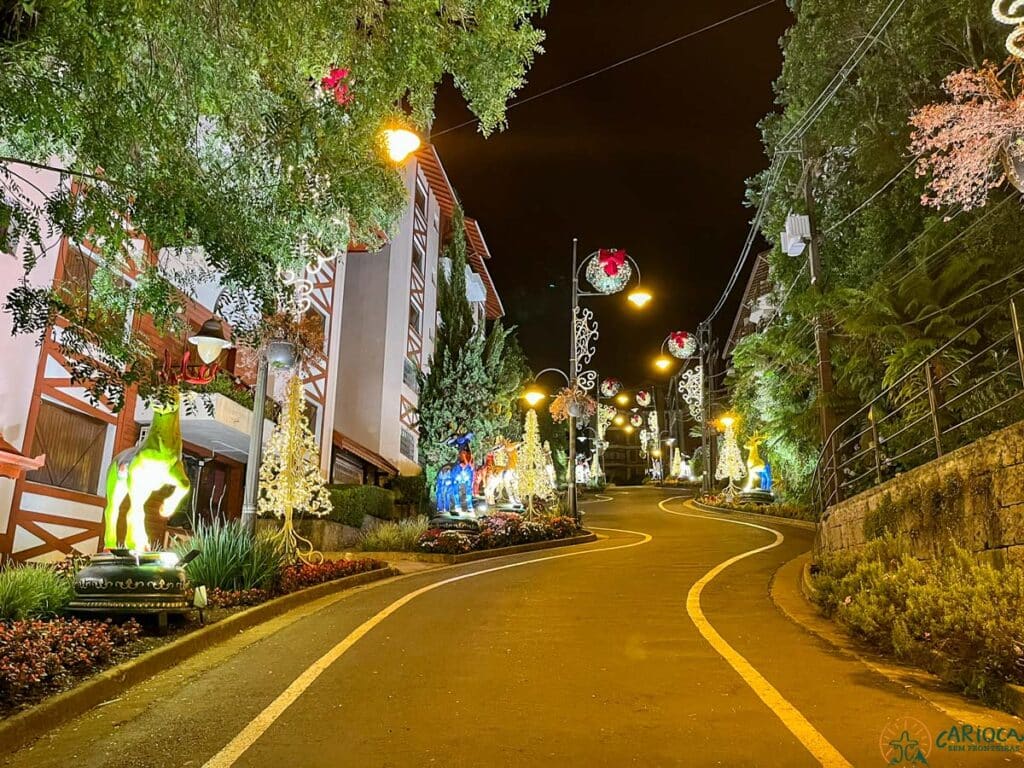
411, 492
353, 502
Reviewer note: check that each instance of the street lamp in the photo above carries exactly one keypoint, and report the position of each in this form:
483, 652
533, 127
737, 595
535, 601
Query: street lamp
583, 330
533, 396
400, 143
662, 363
622, 399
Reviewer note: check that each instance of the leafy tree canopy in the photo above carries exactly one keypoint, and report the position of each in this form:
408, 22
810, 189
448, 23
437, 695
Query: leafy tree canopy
898, 277
207, 124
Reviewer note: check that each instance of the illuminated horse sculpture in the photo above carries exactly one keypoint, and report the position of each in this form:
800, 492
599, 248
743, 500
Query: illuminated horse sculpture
154, 464
454, 485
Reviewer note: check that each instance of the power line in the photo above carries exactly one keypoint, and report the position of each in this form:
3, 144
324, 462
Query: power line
615, 65
873, 197
814, 111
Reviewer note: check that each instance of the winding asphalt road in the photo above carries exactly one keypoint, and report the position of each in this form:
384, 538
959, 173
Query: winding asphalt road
657, 646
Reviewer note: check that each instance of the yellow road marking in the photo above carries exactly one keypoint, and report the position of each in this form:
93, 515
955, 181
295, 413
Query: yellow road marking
230, 754
791, 717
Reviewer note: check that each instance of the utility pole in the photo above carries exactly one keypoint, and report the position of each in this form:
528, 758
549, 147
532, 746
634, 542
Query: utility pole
822, 343
704, 342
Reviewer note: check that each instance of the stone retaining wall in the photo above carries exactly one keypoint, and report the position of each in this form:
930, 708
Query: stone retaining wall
973, 496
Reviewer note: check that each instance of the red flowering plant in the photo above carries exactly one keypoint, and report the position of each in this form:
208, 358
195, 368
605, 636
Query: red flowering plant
973, 142
301, 575
39, 656
574, 402
337, 84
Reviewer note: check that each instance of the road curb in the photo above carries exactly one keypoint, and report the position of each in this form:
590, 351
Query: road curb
26, 726
805, 524
470, 557
792, 591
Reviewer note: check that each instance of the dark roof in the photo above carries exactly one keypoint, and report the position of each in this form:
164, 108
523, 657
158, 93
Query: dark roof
758, 285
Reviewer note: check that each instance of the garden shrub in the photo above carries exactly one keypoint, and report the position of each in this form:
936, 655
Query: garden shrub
351, 503
953, 615
411, 493
39, 656
31, 591
502, 529
401, 536
884, 519
301, 575
777, 509
231, 558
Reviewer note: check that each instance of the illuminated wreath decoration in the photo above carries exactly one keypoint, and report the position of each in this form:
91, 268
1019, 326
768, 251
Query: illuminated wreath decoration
682, 345
610, 387
636, 420
609, 271
643, 398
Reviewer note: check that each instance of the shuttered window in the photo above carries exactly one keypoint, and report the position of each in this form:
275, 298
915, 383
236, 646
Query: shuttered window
73, 443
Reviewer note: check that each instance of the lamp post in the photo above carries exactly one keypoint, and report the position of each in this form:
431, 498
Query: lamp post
397, 143
583, 332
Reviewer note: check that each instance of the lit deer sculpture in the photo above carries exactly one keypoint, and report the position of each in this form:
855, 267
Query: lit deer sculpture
142, 470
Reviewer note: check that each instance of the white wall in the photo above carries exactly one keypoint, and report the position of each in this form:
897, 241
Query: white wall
20, 354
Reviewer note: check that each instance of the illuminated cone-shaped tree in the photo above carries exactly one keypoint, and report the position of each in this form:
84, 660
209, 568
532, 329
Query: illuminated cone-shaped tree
730, 464
290, 476
534, 482
677, 463
595, 469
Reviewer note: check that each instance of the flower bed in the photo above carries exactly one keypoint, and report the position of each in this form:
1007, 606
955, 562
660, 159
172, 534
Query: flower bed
791, 511
293, 578
40, 656
502, 529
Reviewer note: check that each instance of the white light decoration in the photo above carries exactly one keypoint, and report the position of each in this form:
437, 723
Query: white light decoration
691, 387
610, 387
587, 380
652, 424
1011, 12
606, 278
730, 464
605, 415
682, 345
637, 420
643, 398
586, 335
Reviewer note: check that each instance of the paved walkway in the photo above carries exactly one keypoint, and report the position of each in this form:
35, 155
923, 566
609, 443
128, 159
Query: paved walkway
656, 646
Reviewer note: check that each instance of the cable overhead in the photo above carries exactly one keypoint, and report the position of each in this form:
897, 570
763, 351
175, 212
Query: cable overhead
797, 132
619, 63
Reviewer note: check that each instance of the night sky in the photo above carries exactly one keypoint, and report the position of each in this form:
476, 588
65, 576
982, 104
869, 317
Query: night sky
650, 157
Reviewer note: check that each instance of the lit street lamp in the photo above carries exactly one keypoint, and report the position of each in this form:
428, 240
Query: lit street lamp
608, 271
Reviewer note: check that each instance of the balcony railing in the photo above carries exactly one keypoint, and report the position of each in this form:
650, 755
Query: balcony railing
968, 388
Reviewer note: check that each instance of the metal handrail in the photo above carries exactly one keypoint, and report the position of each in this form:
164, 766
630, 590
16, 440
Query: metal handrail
835, 473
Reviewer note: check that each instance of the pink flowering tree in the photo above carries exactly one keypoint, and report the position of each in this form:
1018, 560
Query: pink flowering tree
971, 143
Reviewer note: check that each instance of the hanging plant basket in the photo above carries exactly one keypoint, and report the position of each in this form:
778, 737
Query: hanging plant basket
609, 271
610, 387
281, 354
572, 402
682, 345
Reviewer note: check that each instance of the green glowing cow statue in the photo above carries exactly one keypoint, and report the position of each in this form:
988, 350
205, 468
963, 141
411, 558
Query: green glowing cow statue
142, 470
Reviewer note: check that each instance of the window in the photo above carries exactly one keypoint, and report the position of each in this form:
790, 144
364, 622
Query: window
417, 257
312, 416
74, 446
317, 320
415, 318
407, 444
75, 288
409, 375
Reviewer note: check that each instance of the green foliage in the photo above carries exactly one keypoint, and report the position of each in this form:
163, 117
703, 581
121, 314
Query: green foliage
475, 376
410, 492
897, 277
231, 558
351, 503
883, 520
30, 591
400, 536
953, 615
205, 124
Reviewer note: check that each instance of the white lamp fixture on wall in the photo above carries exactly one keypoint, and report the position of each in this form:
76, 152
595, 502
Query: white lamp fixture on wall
796, 235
